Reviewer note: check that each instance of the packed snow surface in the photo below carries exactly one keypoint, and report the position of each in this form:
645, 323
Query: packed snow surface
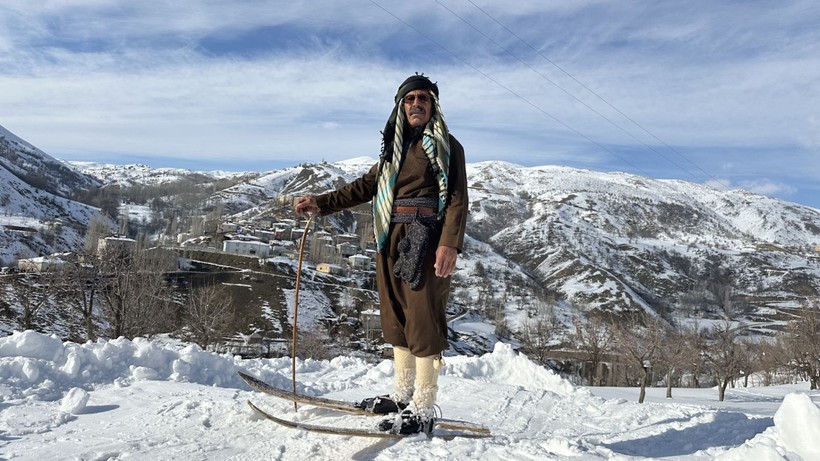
151, 400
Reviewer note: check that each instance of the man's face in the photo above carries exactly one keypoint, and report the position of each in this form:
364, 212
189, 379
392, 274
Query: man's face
418, 107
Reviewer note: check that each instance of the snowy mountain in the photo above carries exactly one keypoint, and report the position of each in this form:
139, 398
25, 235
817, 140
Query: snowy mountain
621, 241
140, 174
607, 241
615, 241
291, 181
37, 214
149, 400
39, 169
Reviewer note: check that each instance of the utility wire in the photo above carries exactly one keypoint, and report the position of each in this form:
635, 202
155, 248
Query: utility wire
539, 53
556, 85
509, 90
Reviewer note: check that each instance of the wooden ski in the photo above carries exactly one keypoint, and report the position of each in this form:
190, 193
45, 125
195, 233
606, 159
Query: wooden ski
350, 407
438, 432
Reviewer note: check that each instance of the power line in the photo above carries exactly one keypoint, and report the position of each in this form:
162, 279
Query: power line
509, 90
539, 53
556, 85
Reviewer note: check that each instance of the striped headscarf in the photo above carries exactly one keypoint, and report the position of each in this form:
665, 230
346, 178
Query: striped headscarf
436, 145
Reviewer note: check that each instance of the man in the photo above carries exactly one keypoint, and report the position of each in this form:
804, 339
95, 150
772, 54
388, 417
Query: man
419, 193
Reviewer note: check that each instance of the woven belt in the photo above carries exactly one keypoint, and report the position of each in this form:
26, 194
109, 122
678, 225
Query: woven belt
420, 210
405, 210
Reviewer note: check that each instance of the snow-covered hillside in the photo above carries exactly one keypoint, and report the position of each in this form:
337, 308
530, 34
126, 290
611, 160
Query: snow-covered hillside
621, 241
140, 174
146, 400
36, 217
26, 161
610, 241
617, 241
289, 181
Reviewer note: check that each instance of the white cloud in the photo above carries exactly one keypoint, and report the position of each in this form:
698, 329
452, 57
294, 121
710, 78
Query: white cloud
762, 186
719, 184
766, 187
136, 77
811, 134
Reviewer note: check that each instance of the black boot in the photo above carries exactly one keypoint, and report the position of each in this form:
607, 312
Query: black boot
408, 423
381, 405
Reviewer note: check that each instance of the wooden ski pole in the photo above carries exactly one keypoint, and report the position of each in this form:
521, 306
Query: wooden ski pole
296, 304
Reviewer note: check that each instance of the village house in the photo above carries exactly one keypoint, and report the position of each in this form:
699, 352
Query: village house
247, 247
282, 229
228, 227
323, 235
348, 238
325, 242
296, 234
119, 245
264, 235
41, 264
281, 233
332, 269
347, 249
360, 262
197, 242
282, 248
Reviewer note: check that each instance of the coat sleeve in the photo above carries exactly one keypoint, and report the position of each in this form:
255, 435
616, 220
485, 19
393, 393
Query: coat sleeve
455, 218
354, 193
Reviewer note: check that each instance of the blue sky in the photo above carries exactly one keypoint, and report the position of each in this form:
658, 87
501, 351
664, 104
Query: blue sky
718, 92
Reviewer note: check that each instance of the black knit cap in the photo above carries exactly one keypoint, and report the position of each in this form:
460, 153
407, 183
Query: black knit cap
415, 82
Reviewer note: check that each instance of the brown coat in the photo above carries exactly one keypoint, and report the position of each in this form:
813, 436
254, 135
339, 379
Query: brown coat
413, 318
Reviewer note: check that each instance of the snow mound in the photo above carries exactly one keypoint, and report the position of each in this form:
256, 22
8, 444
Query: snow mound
31, 345
793, 437
505, 366
36, 365
74, 401
190, 404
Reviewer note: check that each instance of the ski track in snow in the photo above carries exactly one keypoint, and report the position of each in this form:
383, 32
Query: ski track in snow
150, 400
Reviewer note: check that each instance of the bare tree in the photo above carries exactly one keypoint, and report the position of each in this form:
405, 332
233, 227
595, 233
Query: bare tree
79, 286
99, 227
313, 343
673, 355
537, 331
502, 327
802, 343
773, 360
535, 338
723, 356
31, 292
638, 340
595, 340
209, 315
748, 359
697, 345
136, 296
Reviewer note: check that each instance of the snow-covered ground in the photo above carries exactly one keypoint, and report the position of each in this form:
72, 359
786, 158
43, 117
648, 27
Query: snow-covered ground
142, 400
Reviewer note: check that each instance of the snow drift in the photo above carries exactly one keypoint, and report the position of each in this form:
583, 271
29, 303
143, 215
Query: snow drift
146, 399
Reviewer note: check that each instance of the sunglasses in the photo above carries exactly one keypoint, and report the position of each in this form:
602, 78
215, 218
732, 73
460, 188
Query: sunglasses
422, 98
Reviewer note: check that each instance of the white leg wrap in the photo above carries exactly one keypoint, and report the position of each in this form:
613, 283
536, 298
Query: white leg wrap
404, 368
427, 370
